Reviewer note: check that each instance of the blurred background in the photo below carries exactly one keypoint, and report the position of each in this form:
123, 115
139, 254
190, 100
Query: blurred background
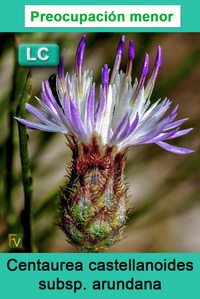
164, 187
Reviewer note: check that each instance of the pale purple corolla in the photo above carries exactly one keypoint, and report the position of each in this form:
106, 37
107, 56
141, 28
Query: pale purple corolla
121, 113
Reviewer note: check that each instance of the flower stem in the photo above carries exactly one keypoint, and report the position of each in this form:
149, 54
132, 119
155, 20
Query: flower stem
26, 172
10, 146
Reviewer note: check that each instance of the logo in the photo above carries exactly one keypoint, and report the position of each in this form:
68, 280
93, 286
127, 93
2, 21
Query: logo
38, 54
15, 240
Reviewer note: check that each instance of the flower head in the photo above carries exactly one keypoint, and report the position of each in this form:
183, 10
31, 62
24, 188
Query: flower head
121, 113
100, 126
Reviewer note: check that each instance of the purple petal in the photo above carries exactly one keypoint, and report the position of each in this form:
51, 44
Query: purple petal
131, 55
79, 61
76, 120
181, 133
134, 124
142, 79
155, 131
61, 73
80, 55
105, 76
49, 108
128, 130
175, 124
48, 97
68, 114
120, 49
66, 108
35, 126
145, 67
119, 128
49, 93
124, 133
55, 108
48, 105
131, 50
174, 149
158, 61
151, 82
118, 58
41, 115
81, 43
163, 136
174, 111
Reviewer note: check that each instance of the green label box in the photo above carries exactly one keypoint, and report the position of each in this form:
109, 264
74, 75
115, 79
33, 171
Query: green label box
38, 54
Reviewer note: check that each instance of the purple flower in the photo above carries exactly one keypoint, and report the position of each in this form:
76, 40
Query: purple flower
121, 112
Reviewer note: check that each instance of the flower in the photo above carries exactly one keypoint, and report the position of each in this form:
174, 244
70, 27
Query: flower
94, 202
122, 115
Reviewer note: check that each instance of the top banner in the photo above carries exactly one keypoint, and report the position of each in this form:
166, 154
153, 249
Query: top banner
101, 16
129, 16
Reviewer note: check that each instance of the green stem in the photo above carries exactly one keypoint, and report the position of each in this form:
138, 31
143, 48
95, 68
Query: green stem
26, 172
10, 146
